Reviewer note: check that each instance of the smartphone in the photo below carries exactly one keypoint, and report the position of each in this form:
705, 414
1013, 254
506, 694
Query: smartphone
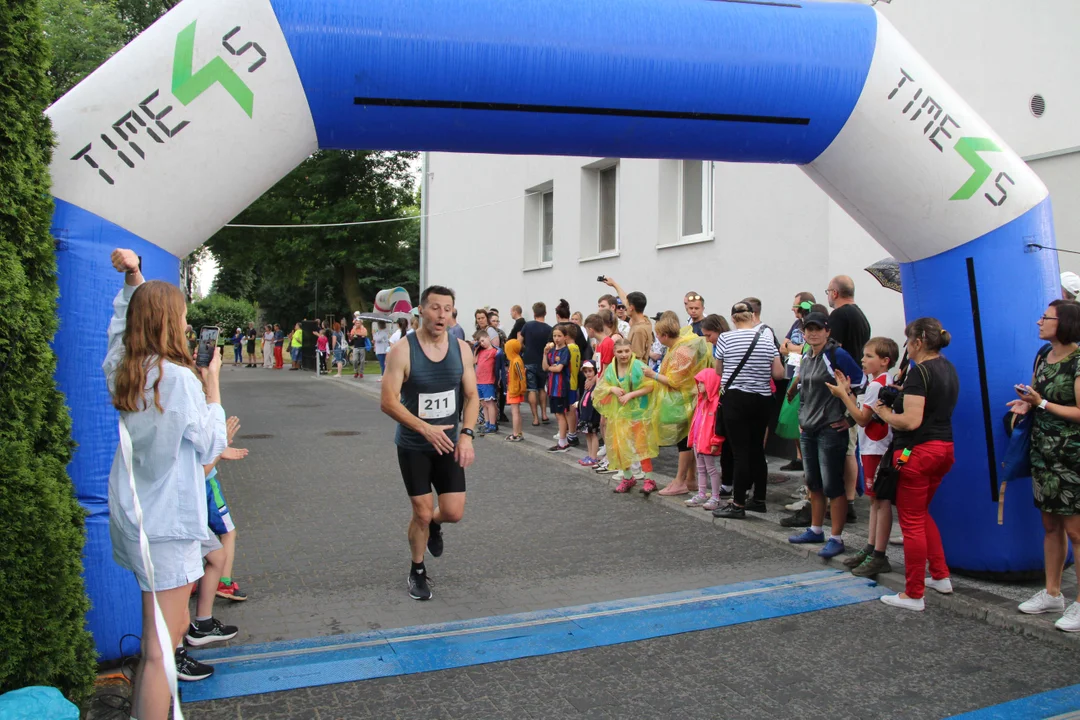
602, 278
1022, 389
208, 337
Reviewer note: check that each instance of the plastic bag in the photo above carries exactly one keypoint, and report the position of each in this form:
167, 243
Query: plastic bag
787, 426
35, 703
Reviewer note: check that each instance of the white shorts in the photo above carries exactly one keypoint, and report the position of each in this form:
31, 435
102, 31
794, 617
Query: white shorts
176, 562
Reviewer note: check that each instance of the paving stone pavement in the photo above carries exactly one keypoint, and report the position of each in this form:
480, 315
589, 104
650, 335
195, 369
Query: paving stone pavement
322, 551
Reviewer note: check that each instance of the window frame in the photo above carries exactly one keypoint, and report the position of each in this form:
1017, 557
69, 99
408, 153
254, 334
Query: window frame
600, 251
540, 220
707, 204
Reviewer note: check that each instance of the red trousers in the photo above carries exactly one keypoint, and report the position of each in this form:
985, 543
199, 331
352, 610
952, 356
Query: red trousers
278, 362
920, 477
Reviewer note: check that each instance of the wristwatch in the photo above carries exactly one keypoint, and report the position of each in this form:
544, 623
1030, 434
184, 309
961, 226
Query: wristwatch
469, 432
1042, 405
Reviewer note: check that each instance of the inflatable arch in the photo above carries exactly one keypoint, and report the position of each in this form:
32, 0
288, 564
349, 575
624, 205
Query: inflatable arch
204, 111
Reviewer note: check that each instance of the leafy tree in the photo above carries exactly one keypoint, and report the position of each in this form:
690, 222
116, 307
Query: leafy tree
138, 15
82, 34
225, 312
42, 534
279, 268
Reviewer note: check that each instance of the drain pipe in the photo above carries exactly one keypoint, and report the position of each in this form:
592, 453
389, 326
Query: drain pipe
424, 205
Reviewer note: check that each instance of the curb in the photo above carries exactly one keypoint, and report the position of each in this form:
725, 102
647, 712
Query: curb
994, 610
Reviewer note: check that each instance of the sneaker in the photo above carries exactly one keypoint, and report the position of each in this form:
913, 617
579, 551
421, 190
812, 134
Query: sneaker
231, 591
809, 536
587, 461
873, 567
435, 539
1043, 602
943, 586
797, 505
730, 511
217, 632
189, 669
625, 485
491, 429
757, 506
697, 501
1070, 621
602, 453
557, 448
896, 536
904, 603
648, 487
573, 442
793, 466
832, 548
801, 494
855, 560
726, 493
711, 504
419, 587
802, 518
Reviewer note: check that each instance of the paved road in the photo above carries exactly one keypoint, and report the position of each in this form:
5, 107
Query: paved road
322, 551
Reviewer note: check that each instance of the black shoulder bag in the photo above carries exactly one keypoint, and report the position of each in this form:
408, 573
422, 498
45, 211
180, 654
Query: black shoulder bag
720, 428
888, 472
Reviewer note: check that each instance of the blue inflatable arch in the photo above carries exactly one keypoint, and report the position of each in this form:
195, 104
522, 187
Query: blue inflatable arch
208, 108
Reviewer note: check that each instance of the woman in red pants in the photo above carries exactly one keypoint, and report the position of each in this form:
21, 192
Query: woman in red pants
921, 419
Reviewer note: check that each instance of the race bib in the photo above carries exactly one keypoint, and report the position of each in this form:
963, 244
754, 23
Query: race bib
434, 406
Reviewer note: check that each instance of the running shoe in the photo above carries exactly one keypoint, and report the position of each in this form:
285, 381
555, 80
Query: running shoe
573, 441
491, 429
797, 505
587, 461
231, 591
1043, 602
832, 548
856, 560
757, 506
419, 586
726, 493
189, 669
217, 632
697, 501
801, 518
648, 487
601, 465
625, 485
603, 450
872, 567
730, 511
557, 448
801, 493
808, 536
435, 539
712, 504
1070, 621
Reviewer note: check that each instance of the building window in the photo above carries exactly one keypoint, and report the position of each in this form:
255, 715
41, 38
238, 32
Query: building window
608, 209
547, 219
695, 200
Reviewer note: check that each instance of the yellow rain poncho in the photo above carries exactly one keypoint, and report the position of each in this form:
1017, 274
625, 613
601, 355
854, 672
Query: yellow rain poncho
675, 404
630, 432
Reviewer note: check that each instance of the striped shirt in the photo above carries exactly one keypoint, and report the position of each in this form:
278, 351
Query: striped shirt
756, 375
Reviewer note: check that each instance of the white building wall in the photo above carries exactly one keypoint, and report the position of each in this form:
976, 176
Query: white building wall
775, 232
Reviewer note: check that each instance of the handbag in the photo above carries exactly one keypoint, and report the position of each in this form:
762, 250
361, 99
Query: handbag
887, 479
1017, 461
720, 429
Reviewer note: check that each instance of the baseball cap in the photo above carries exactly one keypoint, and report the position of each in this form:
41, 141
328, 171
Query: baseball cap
657, 316
1071, 282
588, 364
816, 318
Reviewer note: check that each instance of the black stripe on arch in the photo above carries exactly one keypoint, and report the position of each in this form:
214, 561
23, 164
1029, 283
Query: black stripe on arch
577, 110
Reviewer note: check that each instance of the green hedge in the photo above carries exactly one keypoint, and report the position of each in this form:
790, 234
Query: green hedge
225, 312
44, 604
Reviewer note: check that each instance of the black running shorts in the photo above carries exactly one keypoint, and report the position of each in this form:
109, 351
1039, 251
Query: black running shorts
423, 471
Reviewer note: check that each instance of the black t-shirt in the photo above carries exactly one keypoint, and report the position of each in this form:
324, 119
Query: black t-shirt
534, 336
357, 342
696, 328
849, 327
944, 387
516, 330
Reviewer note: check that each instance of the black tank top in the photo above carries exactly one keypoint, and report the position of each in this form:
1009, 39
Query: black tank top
432, 393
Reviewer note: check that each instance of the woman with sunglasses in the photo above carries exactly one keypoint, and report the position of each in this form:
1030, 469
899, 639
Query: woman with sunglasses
1055, 452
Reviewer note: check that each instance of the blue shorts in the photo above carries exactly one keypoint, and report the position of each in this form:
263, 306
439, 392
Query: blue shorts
297, 353
217, 511
535, 378
487, 392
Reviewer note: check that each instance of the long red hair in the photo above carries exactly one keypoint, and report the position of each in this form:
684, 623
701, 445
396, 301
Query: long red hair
154, 336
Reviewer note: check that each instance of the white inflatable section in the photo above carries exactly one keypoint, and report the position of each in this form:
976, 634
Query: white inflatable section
170, 170
896, 163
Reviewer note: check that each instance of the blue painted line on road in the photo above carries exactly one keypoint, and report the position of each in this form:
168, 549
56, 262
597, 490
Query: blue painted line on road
1061, 703
288, 665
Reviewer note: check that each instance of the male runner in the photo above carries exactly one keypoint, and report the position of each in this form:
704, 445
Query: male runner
427, 379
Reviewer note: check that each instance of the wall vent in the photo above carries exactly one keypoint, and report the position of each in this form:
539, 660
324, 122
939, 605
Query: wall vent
1037, 105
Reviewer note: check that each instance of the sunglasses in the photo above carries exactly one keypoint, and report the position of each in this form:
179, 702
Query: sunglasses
692, 298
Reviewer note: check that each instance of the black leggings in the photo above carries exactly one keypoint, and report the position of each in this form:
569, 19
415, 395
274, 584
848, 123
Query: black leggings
746, 418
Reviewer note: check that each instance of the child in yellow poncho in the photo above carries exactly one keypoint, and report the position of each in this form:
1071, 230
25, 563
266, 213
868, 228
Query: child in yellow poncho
624, 397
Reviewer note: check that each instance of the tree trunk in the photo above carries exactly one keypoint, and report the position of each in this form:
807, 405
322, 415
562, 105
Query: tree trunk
350, 285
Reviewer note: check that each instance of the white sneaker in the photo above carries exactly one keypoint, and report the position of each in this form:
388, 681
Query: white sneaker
943, 586
801, 494
1043, 602
797, 505
896, 536
1070, 621
905, 603
602, 453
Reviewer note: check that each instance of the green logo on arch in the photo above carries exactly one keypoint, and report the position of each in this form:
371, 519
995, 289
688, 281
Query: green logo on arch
187, 86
